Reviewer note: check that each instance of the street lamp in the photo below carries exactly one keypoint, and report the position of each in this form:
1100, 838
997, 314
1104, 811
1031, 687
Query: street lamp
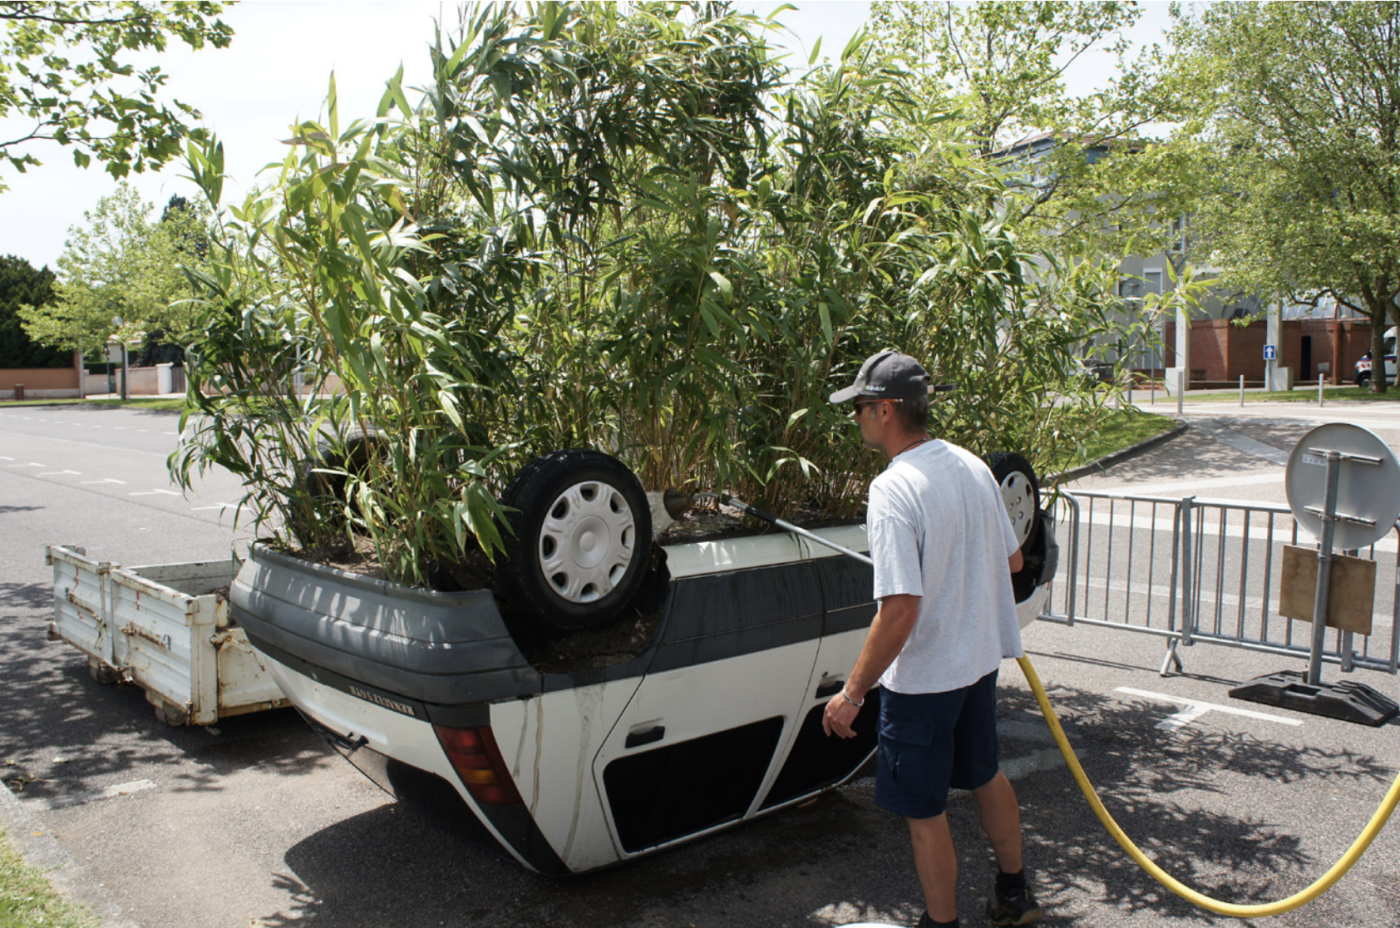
117, 321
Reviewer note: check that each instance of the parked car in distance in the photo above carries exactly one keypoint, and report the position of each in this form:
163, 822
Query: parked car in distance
1362, 372
1090, 372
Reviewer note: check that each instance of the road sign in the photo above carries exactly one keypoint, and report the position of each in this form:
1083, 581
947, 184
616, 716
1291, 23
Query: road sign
1270, 352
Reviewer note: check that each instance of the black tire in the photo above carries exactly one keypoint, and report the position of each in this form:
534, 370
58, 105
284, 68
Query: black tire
1021, 492
327, 475
1363, 378
579, 540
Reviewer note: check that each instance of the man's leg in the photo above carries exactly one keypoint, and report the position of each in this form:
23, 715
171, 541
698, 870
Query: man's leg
937, 865
1001, 820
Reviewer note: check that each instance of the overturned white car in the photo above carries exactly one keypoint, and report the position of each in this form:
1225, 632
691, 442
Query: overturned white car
712, 718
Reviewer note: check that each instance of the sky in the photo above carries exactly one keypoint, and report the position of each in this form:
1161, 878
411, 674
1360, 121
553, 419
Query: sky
276, 71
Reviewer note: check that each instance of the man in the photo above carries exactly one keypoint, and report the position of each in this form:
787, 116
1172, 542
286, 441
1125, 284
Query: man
941, 542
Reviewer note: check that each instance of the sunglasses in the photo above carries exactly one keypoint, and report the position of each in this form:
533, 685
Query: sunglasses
857, 407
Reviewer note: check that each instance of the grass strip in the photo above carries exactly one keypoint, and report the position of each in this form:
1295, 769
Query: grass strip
28, 899
1123, 429
1300, 395
175, 403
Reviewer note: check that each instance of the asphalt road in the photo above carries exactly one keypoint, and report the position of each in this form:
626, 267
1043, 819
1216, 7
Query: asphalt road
255, 822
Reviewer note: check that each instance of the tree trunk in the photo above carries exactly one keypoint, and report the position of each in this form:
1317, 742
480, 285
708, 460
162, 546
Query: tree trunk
1380, 320
1377, 351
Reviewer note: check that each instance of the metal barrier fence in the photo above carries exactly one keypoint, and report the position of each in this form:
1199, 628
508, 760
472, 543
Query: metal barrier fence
1201, 571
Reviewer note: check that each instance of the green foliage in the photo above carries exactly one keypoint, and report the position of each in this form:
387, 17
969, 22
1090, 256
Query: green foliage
62, 75
1082, 176
122, 264
22, 285
1299, 103
27, 899
627, 231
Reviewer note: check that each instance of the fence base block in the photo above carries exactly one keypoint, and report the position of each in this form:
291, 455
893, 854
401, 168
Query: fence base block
1350, 702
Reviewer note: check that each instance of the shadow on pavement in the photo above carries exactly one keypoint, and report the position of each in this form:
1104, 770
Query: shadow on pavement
62, 733
840, 859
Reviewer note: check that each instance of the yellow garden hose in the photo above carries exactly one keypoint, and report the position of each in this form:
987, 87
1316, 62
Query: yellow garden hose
1324, 883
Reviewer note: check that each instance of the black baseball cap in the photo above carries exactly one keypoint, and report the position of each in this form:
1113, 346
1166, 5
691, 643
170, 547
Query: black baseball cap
887, 375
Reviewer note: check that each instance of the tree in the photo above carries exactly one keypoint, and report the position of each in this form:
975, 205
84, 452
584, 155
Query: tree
1084, 174
607, 226
62, 74
22, 285
1300, 103
121, 264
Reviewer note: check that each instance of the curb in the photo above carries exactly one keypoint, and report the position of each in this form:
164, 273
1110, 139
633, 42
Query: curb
40, 849
1123, 454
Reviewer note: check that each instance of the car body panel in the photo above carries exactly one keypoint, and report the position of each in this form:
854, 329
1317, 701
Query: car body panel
715, 720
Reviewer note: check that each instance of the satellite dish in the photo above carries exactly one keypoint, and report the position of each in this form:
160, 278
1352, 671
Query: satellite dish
1368, 484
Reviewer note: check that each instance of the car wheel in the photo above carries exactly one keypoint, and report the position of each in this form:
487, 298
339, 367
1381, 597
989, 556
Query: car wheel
1363, 379
1020, 491
580, 538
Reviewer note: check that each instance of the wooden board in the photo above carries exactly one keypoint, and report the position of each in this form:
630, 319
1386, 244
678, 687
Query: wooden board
1351, 589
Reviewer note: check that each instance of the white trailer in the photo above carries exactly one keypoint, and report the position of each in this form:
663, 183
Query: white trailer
164, 627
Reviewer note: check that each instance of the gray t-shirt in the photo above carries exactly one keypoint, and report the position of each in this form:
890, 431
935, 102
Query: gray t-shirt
939, 530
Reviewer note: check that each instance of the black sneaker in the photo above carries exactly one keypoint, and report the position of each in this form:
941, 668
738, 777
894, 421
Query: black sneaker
1019, 908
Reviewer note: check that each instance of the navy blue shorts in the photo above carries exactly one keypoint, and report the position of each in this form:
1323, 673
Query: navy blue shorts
933, 742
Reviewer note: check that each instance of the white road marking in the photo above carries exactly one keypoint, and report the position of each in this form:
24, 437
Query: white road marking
3, 458
220, 506
60, 473
1283, 533
1171, 489
108, 480
95, 795
154, 492
170, 433
1380, 621
30, 464
1017, 767
1194, 709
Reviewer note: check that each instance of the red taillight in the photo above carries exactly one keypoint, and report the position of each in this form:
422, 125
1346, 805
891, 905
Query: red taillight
478, 762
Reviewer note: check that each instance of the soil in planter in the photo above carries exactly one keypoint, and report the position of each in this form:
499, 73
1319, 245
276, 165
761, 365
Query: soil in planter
626, 637
709, 524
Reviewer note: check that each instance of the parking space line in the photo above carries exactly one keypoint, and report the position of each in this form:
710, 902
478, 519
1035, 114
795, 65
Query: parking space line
153, 493
108, 480
219, 506
60, 473
93, 795
1017, 767
1193, 709
30, 464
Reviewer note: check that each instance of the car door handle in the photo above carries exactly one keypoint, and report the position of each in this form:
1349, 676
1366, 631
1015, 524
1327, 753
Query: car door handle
830, 688
645, 736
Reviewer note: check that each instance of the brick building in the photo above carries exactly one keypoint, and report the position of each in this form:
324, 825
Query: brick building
1222, 350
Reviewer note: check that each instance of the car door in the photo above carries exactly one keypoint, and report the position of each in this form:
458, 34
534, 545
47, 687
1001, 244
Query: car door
816, 761
717, 707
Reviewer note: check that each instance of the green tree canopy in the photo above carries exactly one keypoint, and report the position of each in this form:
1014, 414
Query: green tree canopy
1300, 105
22, 285
621, 228
1080, 171
123, 264
64, 80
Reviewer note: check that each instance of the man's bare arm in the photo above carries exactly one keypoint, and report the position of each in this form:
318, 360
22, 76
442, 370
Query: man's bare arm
888, 632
